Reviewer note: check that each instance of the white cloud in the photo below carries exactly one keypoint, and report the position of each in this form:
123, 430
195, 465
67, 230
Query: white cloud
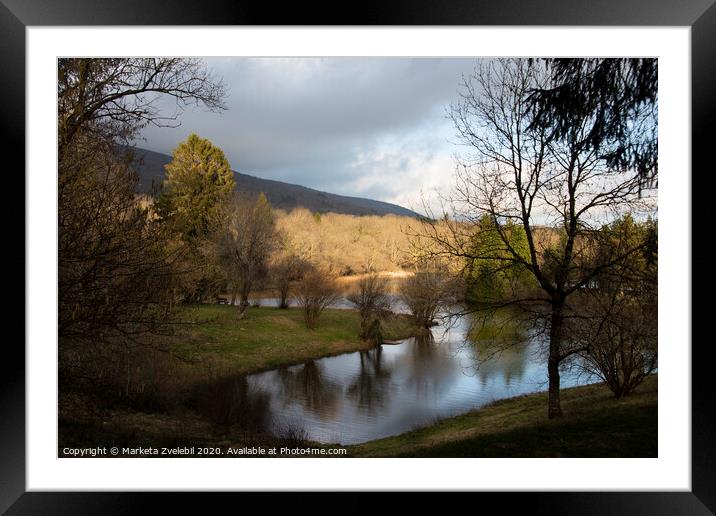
407, 175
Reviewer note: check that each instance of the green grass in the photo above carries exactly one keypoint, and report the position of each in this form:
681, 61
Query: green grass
266, 337
594, 424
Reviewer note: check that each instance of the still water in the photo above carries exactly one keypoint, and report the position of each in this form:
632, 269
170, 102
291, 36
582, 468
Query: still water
360, 396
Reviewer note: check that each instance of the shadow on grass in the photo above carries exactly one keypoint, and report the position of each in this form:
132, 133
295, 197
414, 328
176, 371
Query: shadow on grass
627, 432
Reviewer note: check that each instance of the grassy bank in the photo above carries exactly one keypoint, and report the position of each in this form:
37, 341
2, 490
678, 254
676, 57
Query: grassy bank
594, 425
211, 343
169, 409
267, 337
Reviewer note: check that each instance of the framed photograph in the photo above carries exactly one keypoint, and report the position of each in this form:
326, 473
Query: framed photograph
417, 250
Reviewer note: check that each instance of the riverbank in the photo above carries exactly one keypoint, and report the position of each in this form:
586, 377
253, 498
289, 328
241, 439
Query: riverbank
595, 424
204, 399
211, 346
267, 337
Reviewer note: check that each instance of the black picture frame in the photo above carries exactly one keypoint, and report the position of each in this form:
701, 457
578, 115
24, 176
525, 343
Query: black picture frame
700, 15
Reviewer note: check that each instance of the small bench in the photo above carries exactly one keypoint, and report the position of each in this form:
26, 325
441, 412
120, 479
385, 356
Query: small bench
222, 300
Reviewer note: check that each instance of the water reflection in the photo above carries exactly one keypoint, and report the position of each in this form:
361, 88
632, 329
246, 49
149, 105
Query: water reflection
499, 360
431, 369
308, 385
370, 388
424, 349
384, 391
233, 402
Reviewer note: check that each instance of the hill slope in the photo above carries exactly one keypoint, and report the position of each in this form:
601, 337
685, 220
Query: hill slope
281, 195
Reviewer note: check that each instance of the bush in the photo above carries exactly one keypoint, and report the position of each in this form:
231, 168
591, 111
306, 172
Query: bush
617, 329
425, 294
622, 344
316, 291
372, 300
285, 270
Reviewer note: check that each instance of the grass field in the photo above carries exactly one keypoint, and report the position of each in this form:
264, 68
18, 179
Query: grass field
267, 337
594, 424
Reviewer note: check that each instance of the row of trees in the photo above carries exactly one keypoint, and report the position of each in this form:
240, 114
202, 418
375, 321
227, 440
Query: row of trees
234, 242
348, 244
125, 261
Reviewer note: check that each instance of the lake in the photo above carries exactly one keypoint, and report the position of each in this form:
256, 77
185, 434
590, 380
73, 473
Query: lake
394, 388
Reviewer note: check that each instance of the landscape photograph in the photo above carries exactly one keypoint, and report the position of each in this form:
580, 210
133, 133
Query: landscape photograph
357, 257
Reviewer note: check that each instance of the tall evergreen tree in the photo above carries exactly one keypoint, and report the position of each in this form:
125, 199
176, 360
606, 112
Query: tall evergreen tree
198, 179
619, 100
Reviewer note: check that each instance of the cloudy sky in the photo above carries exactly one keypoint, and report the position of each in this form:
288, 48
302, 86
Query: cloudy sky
368, 127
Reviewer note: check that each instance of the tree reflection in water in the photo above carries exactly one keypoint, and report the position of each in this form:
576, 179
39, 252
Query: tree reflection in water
383, 391
497, 359
500, 346
370, 387
430, 367
232, 402
307, 384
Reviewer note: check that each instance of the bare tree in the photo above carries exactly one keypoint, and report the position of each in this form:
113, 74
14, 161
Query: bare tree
244, 238
620, 340
114, 98
427, 292
286, 269
315, 292
372, 300
557, 190
106, 238
117, 268
115, 274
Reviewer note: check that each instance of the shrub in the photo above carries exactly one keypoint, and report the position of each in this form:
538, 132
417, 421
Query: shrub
316, 291
425, 294
372, 300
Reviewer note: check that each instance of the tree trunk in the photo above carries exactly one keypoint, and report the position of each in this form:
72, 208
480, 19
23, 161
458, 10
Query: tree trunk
555, 339
283, 293
244, 292
242, 306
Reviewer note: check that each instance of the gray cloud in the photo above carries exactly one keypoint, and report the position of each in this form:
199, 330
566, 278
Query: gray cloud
372, 127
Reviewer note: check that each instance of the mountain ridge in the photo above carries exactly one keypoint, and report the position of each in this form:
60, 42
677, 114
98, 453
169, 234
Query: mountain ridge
286, 196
